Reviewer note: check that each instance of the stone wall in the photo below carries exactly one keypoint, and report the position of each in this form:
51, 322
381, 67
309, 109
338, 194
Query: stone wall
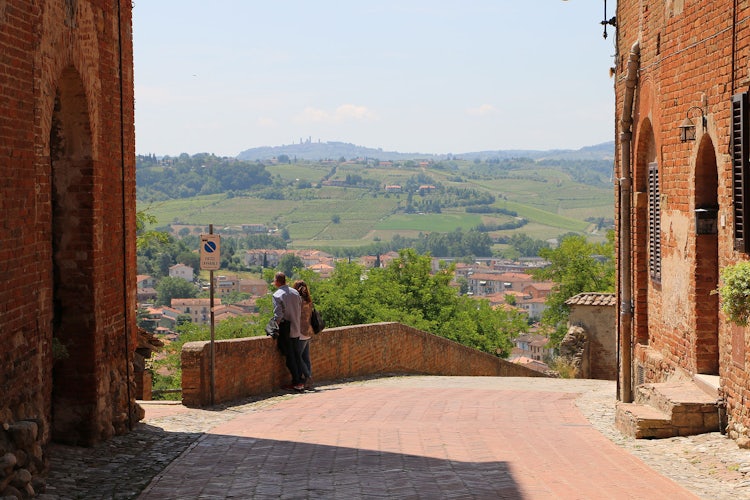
594, 313
67, 211
250, 366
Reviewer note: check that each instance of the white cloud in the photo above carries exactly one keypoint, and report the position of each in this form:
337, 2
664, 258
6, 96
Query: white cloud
313, 115
266, 122
482, 110
344, 113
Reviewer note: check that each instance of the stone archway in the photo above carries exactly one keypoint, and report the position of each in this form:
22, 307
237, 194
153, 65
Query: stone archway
74, 322
706, 264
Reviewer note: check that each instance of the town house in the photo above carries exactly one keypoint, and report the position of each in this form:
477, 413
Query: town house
481, 284
198, 309
266, 257
226, 284
182, 271
682, 196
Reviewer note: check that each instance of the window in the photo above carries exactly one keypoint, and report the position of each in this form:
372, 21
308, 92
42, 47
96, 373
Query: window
740, 175
654, 222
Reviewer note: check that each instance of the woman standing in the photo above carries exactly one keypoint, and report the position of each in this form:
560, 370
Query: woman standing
306, 333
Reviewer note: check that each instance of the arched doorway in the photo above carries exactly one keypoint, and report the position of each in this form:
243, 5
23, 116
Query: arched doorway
706, 265
73, 322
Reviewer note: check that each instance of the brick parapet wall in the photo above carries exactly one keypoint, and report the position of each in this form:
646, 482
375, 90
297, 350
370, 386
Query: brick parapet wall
251, 366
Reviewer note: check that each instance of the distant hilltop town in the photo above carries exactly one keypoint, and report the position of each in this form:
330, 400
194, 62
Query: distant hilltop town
308, 149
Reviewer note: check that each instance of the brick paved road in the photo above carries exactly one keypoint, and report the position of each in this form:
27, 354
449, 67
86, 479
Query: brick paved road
414, 437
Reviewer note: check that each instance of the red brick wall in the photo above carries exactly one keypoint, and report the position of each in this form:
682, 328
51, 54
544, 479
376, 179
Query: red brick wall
245, 367
686, 60
68, 49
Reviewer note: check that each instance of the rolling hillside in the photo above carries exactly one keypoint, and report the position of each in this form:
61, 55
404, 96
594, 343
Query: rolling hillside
347, 204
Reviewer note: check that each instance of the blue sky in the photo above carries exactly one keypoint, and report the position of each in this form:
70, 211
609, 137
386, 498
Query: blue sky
427, 76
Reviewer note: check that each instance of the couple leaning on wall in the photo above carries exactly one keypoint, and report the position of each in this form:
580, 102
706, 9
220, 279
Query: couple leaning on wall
292, 312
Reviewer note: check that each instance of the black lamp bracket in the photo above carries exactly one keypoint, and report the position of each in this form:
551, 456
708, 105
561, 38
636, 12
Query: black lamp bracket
612, 21
703, 115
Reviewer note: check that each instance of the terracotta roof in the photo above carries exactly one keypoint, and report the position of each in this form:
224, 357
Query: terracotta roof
531, 363
541, 285
592, 299
486, 277
516, 277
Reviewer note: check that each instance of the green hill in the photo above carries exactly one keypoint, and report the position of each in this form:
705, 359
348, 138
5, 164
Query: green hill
348, 203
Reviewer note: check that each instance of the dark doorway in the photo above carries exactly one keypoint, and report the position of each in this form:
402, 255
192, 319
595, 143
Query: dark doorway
706, 273
74, 322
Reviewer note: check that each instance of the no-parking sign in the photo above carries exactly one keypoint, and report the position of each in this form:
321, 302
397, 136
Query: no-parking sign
210, 252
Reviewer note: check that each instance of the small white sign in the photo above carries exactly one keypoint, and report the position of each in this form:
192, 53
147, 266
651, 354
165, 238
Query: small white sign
210, 252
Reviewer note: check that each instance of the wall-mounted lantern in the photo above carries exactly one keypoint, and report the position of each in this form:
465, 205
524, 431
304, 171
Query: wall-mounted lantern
687, 128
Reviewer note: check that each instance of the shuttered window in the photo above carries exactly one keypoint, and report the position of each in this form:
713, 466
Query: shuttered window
740, 174
654, 222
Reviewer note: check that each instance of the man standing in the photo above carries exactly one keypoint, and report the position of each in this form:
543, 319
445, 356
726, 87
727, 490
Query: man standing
287, 306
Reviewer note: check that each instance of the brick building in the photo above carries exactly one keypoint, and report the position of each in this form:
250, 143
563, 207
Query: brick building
681, 200
67, 248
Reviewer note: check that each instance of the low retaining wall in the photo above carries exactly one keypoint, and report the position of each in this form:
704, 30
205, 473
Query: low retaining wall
250, 366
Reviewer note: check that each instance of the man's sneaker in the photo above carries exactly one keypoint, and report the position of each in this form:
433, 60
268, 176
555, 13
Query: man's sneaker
309, 384
299, 387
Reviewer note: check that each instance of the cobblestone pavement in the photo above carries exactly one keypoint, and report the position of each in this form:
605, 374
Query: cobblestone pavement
710, 465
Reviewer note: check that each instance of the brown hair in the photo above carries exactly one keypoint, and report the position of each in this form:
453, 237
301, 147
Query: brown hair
280, 278
301, 287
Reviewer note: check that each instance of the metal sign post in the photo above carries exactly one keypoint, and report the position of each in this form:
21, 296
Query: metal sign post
211, 260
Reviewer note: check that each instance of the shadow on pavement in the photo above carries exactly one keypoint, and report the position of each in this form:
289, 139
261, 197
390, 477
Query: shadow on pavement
222, 466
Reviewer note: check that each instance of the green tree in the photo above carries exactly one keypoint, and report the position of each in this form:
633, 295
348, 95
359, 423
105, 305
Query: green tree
143, 236
234, 297
575, 266
527, 246
409, 292
189, 258
183, 318
164, 261
288, 263
174, 288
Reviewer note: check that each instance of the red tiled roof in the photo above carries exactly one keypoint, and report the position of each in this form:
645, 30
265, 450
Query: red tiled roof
592, 299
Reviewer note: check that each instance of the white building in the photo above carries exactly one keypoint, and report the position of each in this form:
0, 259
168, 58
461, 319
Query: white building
182, 271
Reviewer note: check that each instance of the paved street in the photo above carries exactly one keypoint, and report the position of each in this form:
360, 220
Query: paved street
413, 437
